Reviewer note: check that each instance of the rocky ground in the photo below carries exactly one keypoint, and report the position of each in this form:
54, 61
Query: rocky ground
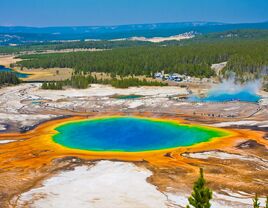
124, 186
26, 105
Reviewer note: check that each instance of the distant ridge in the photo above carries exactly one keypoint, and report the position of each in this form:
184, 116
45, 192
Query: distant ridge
88, 29
21, 34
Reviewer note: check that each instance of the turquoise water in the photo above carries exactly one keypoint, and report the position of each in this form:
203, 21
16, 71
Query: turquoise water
128, 97
243, 96
131, 134
19, 75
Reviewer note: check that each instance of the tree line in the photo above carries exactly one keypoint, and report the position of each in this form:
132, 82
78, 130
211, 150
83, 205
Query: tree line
8, 78
83, 82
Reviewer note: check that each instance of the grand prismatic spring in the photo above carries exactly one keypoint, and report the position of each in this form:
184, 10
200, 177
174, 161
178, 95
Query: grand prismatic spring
130, 134
158, 144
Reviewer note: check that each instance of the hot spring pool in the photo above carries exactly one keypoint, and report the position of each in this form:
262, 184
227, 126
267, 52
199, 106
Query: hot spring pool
243, 96
128, 97
131, 134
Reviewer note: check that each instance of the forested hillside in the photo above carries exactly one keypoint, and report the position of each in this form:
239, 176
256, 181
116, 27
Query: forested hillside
195, 59
72, 45
234, 35
231, 35
130, 61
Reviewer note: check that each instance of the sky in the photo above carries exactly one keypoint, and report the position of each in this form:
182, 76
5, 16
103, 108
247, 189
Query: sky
117, 12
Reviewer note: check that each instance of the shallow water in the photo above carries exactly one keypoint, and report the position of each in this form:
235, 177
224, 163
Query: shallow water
130, 134
19, 75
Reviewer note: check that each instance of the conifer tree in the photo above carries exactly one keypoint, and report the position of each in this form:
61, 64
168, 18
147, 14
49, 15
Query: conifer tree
8, 78
256, 203
44, 85
266, 204
201, 195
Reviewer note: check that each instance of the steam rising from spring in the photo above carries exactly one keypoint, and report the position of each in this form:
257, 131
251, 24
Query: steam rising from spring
230, 86
230, 90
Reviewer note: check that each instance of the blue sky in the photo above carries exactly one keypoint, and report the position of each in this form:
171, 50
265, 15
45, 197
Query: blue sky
115, 12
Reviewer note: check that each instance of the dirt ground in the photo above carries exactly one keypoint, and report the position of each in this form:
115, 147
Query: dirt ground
51, 74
